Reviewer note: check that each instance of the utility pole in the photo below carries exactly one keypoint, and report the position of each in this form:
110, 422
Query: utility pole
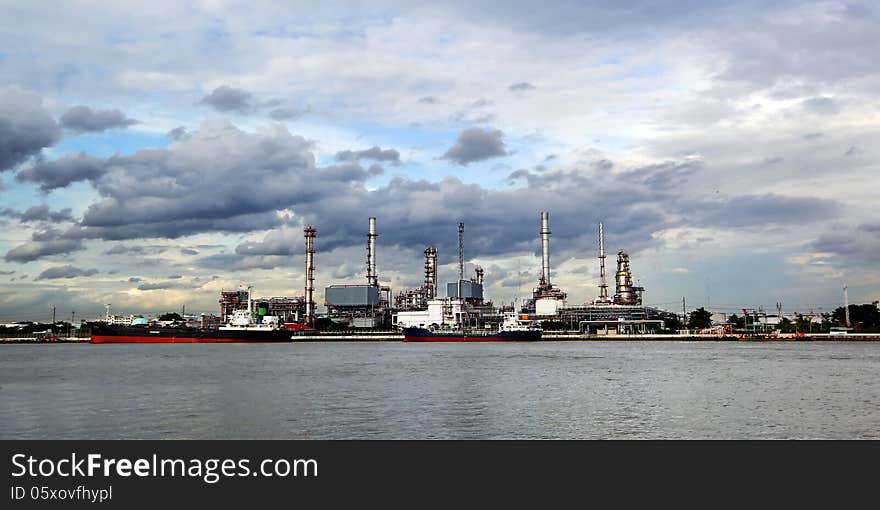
846, 304
53, 315
72, 315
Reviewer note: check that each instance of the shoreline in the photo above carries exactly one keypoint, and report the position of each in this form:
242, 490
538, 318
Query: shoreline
391, 337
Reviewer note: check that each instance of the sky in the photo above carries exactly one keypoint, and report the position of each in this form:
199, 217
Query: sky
155, 153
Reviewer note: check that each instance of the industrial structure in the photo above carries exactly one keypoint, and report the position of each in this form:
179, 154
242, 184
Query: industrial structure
310, 233
463, 307
361, 306
417, 299
370, 305
546, 297
621, 314
288, 309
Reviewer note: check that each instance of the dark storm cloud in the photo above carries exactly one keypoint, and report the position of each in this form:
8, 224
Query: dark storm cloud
83, 119
521, 87
63, 171
42, 213
173, 229
850, 247
476, 144
229, 99
375, 153
39, 213
43, 243
68, 271
177, 133
26, 128
163, 192
124, 249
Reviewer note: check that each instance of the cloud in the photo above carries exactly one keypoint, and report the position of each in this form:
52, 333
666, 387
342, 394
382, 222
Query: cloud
230, 262
847, 247
67, 271
63, 171
26, 128
83, 119
160, 286
375, 153
123, 249
177, 133
43, 244
521, 87
281, 241
188, 251
162, 192
820, 105
42, 213
476, 144
288, 113
429, 100
229, 99
39, 213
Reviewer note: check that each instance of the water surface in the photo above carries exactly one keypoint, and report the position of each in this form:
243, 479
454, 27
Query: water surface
391, 390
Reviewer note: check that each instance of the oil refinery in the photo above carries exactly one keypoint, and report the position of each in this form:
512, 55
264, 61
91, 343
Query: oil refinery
372, 306
421, 313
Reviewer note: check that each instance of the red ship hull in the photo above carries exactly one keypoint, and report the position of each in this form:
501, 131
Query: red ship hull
107, 334
103, 339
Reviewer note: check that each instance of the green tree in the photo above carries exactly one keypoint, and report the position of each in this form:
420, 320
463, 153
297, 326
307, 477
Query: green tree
862, 317
700, 318
171, 316
672, 323
803, 324
738, 322
785, 325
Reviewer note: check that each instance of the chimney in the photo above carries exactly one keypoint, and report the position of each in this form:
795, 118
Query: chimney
310, 272
372, 277
545, 248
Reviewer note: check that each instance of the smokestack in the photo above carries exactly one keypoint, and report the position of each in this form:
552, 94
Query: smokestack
372, 277
461, 251
545, 248
431, 272
310, 232
603, 286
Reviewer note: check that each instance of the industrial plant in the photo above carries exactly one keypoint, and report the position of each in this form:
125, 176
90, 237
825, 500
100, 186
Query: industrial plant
372, 306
